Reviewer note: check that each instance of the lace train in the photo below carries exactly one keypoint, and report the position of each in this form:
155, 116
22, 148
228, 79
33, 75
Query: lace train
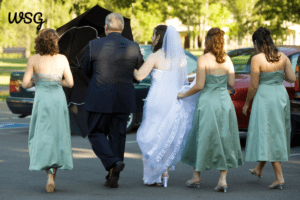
169, 141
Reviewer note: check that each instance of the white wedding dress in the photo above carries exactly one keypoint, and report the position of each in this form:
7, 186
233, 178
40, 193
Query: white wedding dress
166, 120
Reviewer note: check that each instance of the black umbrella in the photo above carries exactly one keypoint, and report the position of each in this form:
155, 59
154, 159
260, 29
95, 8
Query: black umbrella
73, 41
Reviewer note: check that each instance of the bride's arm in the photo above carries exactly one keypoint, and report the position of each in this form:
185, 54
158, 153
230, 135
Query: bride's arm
200, 80
146, 68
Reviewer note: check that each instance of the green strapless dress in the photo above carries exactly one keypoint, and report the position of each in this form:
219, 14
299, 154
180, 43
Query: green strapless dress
268, 137
49, 139
214, 142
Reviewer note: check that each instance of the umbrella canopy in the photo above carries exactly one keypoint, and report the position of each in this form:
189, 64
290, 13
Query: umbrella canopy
73, 42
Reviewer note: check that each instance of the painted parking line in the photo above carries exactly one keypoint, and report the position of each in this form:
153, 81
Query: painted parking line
14, 118
13, 125
298, 154
16, 131
128, 142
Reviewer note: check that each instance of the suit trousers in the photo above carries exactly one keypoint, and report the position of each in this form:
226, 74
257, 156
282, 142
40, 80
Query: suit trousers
107, 134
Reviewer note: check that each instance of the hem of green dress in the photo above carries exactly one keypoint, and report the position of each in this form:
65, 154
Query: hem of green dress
50, 167
199, 170
45, 169
267, 160
212, 167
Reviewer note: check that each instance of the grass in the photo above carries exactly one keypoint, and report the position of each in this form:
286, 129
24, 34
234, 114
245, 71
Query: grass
7, 64
3, 96
196, 53
5, 73
20, 61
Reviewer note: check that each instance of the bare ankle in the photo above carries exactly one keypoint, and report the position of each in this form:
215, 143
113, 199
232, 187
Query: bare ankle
280, 180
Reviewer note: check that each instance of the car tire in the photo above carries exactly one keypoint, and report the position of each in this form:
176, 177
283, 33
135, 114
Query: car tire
293, 129
130, 122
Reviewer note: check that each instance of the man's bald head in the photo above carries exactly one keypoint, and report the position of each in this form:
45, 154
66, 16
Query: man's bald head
114, 22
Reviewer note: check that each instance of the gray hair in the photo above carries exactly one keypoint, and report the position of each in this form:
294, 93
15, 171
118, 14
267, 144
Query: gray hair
115, 22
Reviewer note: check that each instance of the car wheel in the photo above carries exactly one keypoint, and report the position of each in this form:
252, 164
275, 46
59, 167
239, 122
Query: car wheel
130, 122
293, 129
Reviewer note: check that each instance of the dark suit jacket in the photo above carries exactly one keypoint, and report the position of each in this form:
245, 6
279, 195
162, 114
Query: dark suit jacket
110, 62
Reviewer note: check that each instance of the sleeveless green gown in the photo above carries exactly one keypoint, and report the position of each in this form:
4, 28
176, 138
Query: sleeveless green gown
49, 139
268, 137
214, 142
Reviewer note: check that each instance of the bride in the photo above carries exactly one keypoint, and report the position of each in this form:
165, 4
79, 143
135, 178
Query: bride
166, 120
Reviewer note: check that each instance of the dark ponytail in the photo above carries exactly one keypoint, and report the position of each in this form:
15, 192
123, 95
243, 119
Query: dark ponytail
262, 38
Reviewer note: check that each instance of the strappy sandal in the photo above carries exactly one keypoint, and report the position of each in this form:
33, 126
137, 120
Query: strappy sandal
193, 185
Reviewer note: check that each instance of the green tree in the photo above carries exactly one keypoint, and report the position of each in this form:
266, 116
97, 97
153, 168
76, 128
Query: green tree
144, 18
277, 13
242, 11
218, 15
197, 15
22, 34
191, 14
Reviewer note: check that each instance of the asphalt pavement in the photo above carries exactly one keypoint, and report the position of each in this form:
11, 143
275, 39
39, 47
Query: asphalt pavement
86, 180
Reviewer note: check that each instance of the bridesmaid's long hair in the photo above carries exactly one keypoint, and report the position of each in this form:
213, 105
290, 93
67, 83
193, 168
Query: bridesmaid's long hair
214, 43
159, 30
262, 38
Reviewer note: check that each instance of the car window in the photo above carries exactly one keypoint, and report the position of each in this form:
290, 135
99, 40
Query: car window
241, 60
294, 59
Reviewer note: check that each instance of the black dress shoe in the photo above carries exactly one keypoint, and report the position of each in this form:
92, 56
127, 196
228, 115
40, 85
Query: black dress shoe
115, 172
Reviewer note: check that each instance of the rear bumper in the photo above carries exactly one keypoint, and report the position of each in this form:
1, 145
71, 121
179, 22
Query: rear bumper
19, 105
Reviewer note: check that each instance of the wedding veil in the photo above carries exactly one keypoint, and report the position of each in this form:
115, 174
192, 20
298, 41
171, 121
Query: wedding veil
175, 56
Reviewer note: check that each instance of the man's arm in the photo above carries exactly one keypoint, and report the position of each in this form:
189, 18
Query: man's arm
87, 63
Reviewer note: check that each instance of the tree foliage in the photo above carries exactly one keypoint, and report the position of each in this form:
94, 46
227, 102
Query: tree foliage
246, 16
218, 15
145, 17
277, 13
243, 17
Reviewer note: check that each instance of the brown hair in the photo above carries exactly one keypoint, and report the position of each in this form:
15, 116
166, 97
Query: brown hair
46, 42
159, 30
214, 43
262, 38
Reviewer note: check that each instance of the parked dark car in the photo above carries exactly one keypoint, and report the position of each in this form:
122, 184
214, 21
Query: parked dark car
241, 59
20, 100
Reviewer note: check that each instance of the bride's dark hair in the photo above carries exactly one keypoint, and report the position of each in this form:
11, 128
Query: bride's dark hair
159, 30
262, 38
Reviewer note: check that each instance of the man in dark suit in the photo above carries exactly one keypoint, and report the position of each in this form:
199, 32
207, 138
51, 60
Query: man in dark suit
110, 63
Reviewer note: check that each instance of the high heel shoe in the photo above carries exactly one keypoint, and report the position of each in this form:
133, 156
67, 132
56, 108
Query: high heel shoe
221, 188
275, 186
193, 185
165, 177
254, 173
50, 183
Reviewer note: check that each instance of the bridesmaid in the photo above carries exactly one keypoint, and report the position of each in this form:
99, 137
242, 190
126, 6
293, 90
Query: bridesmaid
214, 141
49, 140
268, 137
